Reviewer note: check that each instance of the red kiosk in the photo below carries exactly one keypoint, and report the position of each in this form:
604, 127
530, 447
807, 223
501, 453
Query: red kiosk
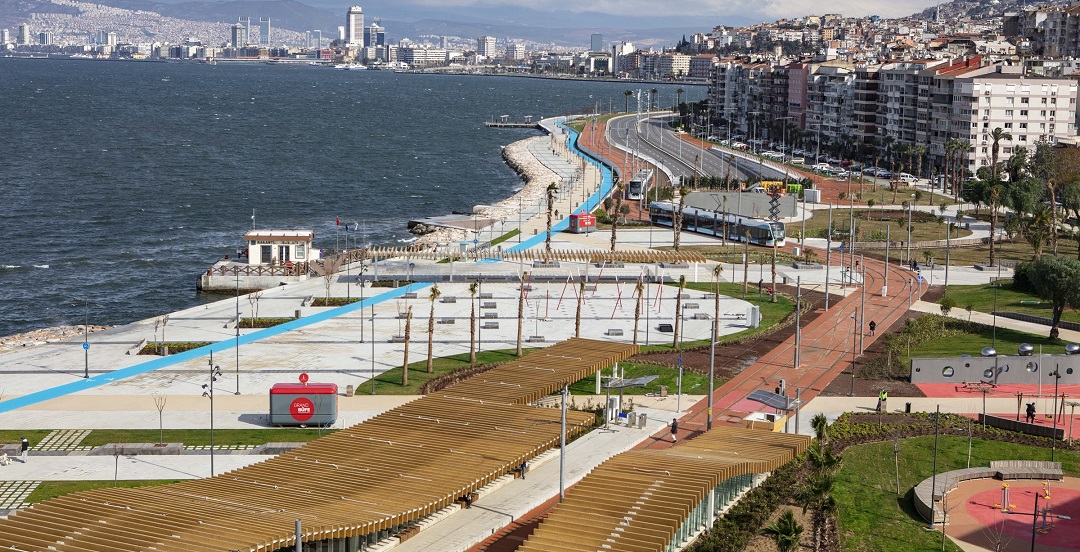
303, 404
582, 223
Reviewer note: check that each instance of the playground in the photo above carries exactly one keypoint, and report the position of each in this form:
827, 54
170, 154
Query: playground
990, 514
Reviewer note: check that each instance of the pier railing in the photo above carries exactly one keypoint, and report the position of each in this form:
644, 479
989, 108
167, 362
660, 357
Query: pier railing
287, 269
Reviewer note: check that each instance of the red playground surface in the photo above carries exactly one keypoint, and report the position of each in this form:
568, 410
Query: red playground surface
976, 516
967, 390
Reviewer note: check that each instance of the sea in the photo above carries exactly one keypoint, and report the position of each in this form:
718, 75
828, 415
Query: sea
120, 182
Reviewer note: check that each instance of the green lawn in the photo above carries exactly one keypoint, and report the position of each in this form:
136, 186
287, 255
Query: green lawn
891, 524
981, 297
53, 489
201, 437
693, 384
13, 436
972, 342
873, 224
389, 382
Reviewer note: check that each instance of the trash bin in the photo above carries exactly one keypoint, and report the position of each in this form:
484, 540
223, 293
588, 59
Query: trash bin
907, 408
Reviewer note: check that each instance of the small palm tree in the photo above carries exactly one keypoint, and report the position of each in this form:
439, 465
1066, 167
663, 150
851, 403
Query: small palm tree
639, 292
435, 294
405, 360
521, 309
678, 311
626, 95
577, 317
821, 427
473, 287
683, 190
551, 189
785, 532
618, 207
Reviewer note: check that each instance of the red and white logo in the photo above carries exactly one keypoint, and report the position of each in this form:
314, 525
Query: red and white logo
301, 409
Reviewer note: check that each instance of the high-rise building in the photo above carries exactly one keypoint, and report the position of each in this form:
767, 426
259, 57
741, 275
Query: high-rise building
5, 36
236, 38
264, 31
515, 50
354, 27
597, 45
485, 46
374, 35
444, 43
112, 38
24, 35
44, 38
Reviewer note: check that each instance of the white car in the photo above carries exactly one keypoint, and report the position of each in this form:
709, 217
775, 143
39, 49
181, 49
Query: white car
773, 155
908, 178
821, 167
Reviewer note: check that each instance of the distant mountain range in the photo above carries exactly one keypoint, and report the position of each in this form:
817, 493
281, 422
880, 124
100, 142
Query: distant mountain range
498, 22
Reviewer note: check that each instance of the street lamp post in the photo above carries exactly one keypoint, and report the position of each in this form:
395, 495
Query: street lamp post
372, 348
86, 339
911, 207
712, 371
993, 342
854, 332
208, 391
236, 270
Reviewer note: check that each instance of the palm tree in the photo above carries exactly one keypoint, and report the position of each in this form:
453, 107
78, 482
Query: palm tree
577, 316
678, 311
473, 287
521, 309
678, 102
717, 271
639, 291
683, 190
615, 219
1017, 164
816, 495
920, 152
652, 98
405, 361
551, 189
435, 294
626, 97
821, 427
963, 147
785, 531
997, 135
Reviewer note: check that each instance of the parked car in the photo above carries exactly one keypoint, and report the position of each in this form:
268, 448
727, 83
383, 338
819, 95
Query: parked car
772, 155
824, 167
869, 171
714, 138
883, 173
907, 178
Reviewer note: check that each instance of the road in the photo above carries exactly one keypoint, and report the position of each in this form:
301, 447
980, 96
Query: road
651, 137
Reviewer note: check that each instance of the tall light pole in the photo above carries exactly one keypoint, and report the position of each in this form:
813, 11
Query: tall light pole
854, 332
911, 207
208, 391
993, 342
86, 338
236, 270
712, 371
372, 349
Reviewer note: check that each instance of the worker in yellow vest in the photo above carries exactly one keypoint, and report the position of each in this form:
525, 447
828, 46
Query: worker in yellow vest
882, 399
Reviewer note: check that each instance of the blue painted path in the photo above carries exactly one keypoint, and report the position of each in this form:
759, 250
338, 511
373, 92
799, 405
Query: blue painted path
228, 344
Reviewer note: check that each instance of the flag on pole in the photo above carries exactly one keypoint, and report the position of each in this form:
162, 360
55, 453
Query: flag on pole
337, 221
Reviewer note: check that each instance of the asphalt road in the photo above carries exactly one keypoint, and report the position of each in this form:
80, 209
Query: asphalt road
650, 136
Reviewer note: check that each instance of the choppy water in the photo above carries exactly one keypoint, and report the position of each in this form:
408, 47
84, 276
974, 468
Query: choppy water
119, 182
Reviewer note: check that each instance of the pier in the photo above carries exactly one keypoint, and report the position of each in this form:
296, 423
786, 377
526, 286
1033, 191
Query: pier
505, 122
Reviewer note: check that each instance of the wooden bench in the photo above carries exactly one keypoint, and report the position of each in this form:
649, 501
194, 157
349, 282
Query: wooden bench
410, 295
1002, 469
487, 296
445, 321
489, 305
448, 300
1027, 469
491, 325
614, 332
535, 339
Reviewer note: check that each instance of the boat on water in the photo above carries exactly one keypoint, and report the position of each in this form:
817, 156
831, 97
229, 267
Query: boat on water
351, 67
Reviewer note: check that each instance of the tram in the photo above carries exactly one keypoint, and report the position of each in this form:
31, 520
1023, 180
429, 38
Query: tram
703, 221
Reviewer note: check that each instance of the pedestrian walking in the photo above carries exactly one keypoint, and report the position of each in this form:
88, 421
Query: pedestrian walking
873, 327
25, 449
674, 430
1030, 413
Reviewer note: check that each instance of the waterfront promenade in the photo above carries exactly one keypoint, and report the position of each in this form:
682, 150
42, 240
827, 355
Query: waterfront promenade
43, 387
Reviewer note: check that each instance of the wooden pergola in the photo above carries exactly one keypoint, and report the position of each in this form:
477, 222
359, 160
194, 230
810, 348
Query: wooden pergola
641, 501
376, 476
529, 255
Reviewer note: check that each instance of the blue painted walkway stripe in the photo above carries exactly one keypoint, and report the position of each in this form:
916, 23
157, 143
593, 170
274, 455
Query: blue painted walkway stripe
605, 188
172, 360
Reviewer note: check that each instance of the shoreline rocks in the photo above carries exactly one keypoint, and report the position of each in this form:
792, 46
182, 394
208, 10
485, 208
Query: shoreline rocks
45, 335
536, 177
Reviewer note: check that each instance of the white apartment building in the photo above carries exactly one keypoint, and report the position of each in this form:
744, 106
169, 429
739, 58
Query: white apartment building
515, 50
701, 66
671, 65
354, 27
418, 56
1030, 109
485, 46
